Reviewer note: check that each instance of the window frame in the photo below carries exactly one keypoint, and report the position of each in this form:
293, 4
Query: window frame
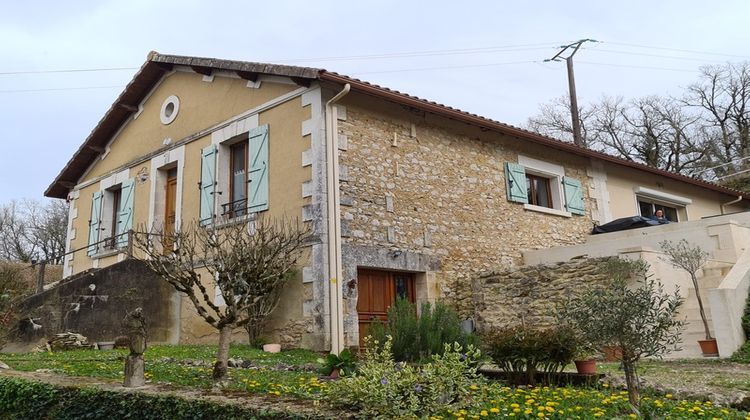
532, 190
554, 173
232, 210
656, 204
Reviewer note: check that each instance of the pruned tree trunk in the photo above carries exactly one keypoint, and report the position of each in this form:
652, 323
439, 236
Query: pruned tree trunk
222, 355
634, 395
700, 308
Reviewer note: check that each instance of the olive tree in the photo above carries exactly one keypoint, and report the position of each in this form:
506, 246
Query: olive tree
689, 258
249, 262
632, 313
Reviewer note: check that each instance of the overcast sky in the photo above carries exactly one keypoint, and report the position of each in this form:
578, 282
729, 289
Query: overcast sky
484, 57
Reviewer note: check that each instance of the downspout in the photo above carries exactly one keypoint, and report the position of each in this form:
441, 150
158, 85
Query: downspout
336, 301
730, 203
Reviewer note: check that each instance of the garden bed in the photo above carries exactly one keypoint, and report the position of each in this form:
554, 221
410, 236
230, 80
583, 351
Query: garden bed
549, 379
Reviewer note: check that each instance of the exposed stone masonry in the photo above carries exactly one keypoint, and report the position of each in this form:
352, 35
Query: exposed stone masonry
419, 186
530, 294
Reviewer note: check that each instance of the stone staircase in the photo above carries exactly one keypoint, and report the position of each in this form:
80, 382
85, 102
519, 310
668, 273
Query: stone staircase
711, 277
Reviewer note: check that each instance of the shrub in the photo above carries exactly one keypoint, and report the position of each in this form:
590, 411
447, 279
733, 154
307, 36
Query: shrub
384, 388
22, 399
345, 362
521, 352
417, 338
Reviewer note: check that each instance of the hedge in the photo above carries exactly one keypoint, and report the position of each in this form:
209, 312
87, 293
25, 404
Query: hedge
24, 399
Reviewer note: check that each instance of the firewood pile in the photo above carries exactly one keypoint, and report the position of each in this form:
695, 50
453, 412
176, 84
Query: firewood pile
64, 341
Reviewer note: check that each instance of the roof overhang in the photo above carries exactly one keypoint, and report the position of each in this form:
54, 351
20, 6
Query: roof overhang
157, 65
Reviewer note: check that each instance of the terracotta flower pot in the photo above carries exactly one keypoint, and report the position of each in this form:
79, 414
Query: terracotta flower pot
709, 348
586, 367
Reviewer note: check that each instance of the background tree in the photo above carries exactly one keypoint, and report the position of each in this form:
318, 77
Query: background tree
639, 319
704, 131
249, 263
33, 230
690, 258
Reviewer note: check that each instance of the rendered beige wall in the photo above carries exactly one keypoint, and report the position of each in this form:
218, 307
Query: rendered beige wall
621, 184
203, 105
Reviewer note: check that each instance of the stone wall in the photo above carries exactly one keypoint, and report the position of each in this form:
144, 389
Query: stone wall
530, 294
94, 303
421, 184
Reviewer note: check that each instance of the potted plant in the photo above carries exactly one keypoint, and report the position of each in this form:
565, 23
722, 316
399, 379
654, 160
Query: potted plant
333, 366
690, 259
584, 359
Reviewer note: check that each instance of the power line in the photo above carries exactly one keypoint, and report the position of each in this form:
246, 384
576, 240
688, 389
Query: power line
677, 50
671, 57
60, 89
443, 67
427, 53
5, 73
635, 66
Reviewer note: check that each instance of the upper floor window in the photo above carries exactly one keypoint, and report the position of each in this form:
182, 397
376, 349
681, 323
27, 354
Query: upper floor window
538, 191
234, 176
543, 187
649, 208
237, 205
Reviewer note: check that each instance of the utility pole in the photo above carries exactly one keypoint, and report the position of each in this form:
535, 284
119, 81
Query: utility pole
572, 48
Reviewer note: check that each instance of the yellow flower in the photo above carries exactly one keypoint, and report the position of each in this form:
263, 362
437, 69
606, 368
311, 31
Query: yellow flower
540, 415
632, 416
496, 410
484, 413
668, 396
514, 405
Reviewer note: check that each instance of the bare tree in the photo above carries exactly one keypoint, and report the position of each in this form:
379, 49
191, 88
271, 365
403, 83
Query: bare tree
554, 120
690, 258
33, 230
248, 262
655, 131
722, 96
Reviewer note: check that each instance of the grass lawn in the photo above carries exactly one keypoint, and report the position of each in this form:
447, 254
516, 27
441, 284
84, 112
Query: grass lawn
287, 372
290, 374
720, 380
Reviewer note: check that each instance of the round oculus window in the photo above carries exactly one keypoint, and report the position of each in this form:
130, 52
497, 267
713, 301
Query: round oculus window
169, 109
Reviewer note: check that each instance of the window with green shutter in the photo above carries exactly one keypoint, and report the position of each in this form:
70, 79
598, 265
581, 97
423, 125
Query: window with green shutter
95, 222
207, 184
257, 187
515, 183
573, 196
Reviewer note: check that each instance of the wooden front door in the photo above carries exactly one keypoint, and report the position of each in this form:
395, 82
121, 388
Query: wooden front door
378, 290
170, 209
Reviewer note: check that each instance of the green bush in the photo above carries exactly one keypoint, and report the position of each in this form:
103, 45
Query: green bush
417, 338
521, 352
384, 388
345, 362
21, 399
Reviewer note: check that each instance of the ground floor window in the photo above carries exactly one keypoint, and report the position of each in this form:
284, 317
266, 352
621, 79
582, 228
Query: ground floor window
648, 208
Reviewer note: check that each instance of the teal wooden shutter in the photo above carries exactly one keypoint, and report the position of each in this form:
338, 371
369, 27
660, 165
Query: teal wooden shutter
208, 184
573, 196
515, 183
257, 188
95, 222
125, 212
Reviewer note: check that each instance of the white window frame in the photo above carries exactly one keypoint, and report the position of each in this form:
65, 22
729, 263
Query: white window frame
660, 197
223, 139
555, 174
107, 186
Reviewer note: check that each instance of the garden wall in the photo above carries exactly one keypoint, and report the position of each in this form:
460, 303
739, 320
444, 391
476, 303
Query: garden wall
529, 294
94, 304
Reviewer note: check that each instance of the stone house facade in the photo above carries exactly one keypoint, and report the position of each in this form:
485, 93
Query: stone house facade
407, 197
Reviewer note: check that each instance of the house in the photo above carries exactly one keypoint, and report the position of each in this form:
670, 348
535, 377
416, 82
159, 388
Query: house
408, 197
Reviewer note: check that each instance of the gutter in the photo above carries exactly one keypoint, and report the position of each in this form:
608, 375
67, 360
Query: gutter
730, 203
336, 301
